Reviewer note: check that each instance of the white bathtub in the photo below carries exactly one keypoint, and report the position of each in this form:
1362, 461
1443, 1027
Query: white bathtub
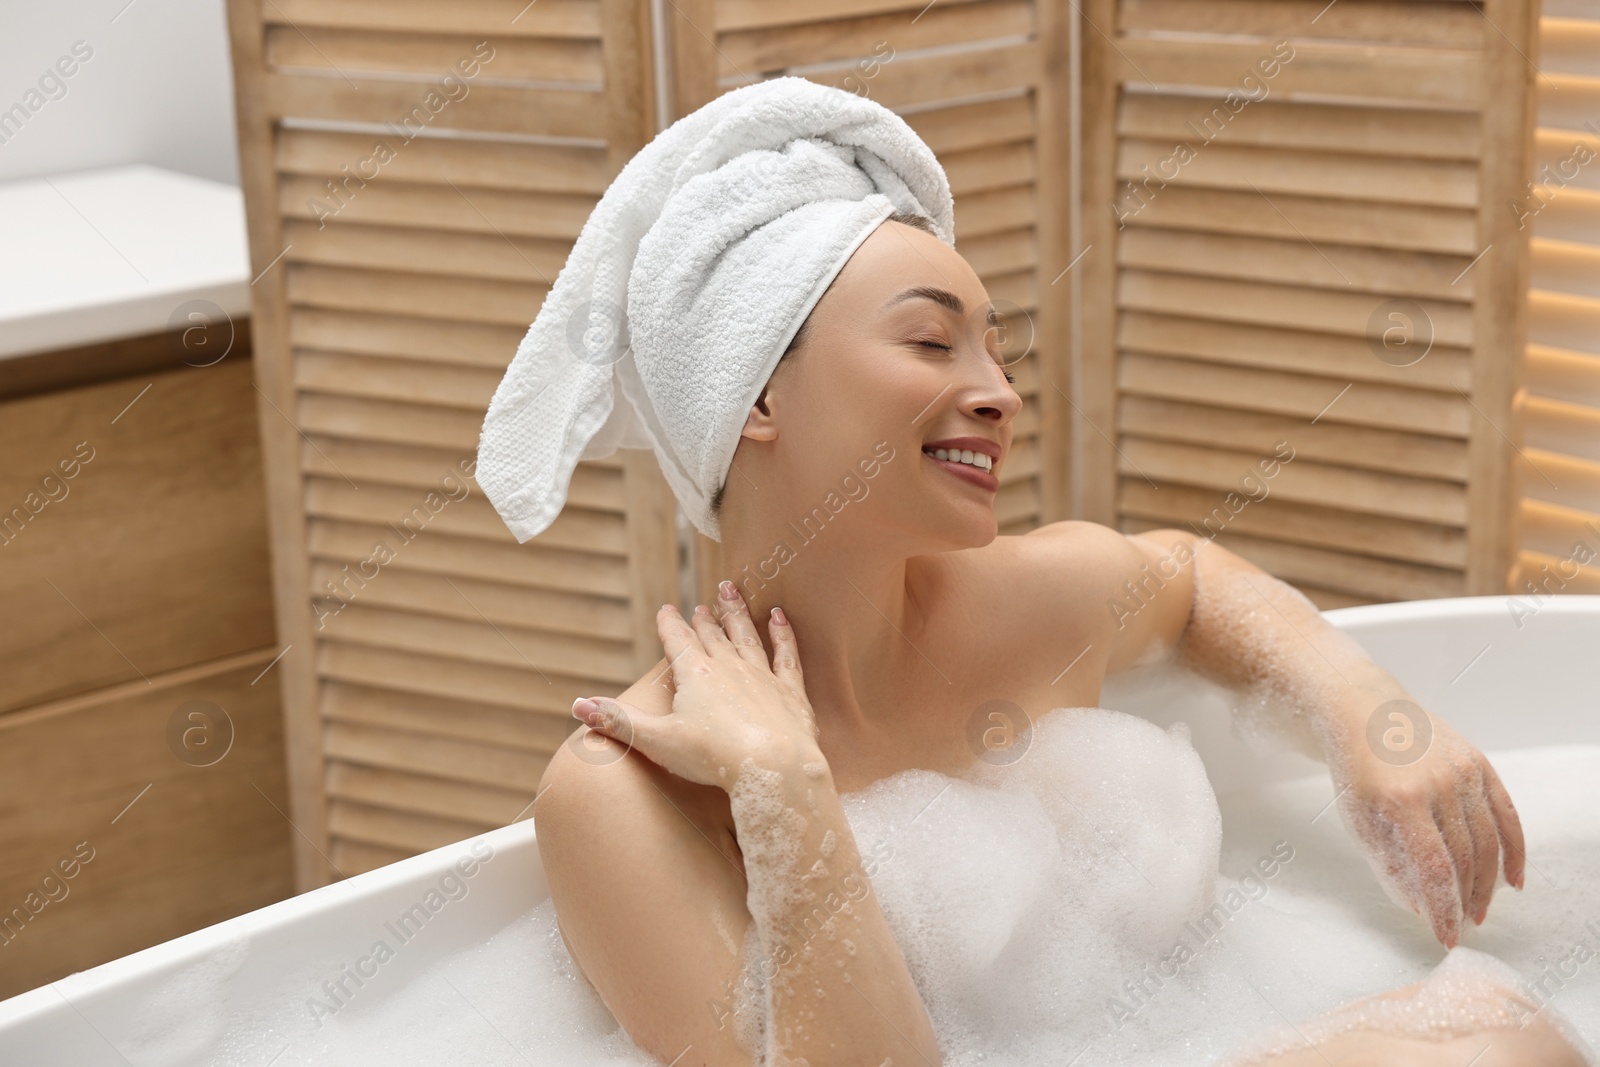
1500, 684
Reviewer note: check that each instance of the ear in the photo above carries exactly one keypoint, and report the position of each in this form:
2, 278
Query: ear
760, 424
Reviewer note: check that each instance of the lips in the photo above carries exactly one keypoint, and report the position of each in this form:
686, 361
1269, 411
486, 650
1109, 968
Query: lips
967, 472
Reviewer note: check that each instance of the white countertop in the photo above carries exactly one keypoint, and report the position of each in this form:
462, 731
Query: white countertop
114, 253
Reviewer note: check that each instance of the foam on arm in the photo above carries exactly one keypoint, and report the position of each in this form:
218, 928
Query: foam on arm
822, 970
1302, 684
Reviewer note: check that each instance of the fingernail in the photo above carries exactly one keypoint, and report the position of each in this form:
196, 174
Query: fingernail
585, 708
701, 609
726, 589
779, 617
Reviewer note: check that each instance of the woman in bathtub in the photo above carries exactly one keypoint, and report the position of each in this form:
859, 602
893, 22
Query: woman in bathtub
865, 651
852, 487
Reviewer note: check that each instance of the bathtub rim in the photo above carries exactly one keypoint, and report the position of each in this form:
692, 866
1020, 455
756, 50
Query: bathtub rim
196, 944
1460, 607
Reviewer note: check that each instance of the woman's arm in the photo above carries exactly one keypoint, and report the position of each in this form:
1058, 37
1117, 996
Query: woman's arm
650, 906
1426, 805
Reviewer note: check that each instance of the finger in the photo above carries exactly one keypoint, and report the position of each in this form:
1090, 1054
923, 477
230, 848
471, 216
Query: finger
1485, 848
1439, 887
1508, 825
710, 630
678, 640
1452, 827
630, 726
741, 631
785, 651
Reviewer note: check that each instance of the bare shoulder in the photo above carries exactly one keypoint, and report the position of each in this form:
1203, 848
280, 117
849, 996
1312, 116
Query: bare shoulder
1069, 564
594, 777
1130, 592
648, 886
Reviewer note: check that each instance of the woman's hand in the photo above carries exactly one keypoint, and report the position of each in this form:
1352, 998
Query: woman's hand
1433, 824
728, 704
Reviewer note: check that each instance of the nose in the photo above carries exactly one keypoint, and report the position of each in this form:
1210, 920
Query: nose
989, 396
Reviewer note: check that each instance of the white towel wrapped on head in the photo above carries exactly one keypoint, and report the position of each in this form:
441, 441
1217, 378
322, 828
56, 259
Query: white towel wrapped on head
686, 284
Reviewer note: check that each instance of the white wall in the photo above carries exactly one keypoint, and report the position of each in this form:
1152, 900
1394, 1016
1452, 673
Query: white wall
157, 89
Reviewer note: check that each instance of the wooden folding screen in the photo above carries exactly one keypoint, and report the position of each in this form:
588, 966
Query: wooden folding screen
1297, 229
986, 85
415, 175
1559, 468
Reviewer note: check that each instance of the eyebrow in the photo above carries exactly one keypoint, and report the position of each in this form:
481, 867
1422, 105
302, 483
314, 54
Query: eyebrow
943, 297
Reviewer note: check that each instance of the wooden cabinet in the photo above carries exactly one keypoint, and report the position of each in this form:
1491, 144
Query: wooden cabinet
141, 742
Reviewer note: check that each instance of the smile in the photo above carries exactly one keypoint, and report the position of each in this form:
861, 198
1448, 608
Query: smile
968, 466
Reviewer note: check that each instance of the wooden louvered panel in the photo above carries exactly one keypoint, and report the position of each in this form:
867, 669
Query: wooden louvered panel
553, 569
993, 109
383, 420
465, 720
384, 826
333, 50
1296, 263
1559, 471
409, 513
1359, 447
1242, 256
1366, 403
475, 640
439, 296
1337, 311
388, 379
1299, 172
374, 100
1347, 130
1434, 76
464, 761
513, 212
399, 336
1553, 478
350, 858
1200, 510
487, 805
560, 19
1404, 226
1442, 26
491, 255
441, 596
1346, 358
1303, 481
598, 484
542, 170
1560, 426
407, 226
522, 688
765, 47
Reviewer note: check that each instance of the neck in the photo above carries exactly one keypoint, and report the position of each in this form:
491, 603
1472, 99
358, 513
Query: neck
853, 606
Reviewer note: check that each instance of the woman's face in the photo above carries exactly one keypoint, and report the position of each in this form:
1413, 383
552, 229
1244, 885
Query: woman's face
901, 353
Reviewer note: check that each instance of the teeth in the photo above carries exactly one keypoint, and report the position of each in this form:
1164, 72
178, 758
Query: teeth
975, 459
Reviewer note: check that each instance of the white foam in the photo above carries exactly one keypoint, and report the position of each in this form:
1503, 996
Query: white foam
1081, 902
